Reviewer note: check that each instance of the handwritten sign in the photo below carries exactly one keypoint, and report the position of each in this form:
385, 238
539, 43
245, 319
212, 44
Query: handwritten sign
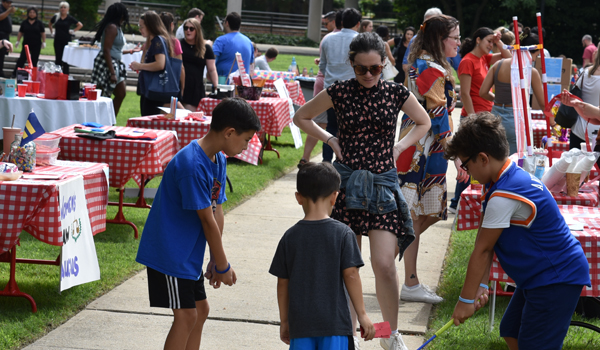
243, 74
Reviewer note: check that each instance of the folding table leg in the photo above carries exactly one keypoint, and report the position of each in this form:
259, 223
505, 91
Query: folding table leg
269, 147
120, 218
12, 289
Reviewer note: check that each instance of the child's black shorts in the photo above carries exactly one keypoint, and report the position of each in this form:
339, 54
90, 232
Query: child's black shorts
174, 293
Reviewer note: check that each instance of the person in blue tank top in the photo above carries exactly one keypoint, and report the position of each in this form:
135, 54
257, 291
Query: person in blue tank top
187, 214
522, 224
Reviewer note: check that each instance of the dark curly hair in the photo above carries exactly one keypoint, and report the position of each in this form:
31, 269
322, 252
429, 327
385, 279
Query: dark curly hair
115, 13
481, 132
365, 42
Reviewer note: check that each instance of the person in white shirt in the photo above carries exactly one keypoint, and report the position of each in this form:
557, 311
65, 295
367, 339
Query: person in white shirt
262, 62
193, 13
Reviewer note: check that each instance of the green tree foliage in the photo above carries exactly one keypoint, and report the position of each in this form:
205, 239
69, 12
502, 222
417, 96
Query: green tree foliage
86, 12
565, 23
211, 8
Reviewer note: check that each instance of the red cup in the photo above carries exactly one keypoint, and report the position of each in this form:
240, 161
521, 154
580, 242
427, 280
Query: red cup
29, 85
22, 90
92, 95
87, 88
35, 87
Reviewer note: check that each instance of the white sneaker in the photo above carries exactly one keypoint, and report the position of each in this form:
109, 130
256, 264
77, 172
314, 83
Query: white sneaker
451, 210
422, 294
356, 343
395, 342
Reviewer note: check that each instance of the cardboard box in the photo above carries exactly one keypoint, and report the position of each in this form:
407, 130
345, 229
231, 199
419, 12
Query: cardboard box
565, 77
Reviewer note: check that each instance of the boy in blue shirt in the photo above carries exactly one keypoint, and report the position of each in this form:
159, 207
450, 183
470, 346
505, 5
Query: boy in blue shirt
524, 227
316, 261
187, 214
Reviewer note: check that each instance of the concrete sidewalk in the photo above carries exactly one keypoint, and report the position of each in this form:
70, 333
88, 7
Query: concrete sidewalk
244, 316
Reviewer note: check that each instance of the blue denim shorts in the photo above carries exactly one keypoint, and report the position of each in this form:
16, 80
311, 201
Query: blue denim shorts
508, 121
336, 342
540, 315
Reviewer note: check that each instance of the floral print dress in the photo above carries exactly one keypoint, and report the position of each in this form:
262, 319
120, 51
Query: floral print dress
424, 183
367, 119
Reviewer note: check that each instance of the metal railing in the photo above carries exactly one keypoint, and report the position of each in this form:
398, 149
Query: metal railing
274, 19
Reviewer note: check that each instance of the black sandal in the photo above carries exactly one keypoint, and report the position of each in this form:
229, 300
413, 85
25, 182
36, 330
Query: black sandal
302, 162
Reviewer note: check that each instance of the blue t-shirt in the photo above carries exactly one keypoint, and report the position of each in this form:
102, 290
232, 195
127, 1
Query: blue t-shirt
225, 48
541, 250
173, 240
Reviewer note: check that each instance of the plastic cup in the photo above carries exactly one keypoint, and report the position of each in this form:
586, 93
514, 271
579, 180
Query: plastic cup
9, 136
573, 184
222, 80
92, 95
35, 87
22, 89
29, 84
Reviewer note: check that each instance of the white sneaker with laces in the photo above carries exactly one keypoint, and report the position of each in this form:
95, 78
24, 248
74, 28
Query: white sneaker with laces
356, 343
422, 293
395, 342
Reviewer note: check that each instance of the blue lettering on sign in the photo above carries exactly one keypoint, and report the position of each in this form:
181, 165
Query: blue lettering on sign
69, 267
68, 206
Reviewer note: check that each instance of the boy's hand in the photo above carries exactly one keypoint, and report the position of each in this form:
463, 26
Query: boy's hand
284, 332
229, 278
462, 312
481, 298
211, 275
367, 325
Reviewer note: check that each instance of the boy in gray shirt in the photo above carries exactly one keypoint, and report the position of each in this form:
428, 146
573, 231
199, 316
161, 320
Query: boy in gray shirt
316, 264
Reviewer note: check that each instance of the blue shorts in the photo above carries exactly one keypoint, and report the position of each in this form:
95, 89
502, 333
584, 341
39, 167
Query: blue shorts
336, 342
540, 316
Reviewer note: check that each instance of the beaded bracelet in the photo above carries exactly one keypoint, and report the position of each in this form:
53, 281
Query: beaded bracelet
484, 286
466, 301
224, 271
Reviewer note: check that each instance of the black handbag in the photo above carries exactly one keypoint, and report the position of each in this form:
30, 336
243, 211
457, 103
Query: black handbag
566, 116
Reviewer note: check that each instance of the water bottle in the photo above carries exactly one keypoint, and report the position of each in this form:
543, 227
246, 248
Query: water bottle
293, 67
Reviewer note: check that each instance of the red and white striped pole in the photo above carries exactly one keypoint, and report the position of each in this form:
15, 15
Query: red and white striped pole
545, 83
522, 83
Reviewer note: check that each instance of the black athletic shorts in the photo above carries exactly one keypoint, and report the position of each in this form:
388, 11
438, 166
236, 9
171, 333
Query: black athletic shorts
172, 292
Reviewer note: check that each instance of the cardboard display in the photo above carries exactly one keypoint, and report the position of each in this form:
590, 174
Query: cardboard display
565, 77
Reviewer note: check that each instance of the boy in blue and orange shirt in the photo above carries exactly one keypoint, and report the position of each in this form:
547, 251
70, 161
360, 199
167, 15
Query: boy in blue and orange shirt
524, 227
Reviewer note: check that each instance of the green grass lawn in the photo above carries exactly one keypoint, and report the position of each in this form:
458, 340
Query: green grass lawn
116, 248
474, 333
283, 61
49, 50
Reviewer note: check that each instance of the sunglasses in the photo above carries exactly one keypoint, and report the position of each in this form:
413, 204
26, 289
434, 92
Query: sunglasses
362, 70
191, 29
464, 164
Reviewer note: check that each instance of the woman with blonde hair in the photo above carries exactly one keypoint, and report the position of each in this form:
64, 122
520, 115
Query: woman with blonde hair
197, 54
62, 22
154, 58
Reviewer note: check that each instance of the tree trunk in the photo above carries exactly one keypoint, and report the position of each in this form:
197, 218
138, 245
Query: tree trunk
475, 25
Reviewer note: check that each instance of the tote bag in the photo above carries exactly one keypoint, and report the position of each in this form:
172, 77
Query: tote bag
566, 116
162, 85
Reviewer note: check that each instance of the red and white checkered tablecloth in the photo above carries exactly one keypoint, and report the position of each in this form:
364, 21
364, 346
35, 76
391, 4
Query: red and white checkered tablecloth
539, 131
469, 211
274, 113
188, 131
33, 205
127, 158
590, 242
293, 88
537, 114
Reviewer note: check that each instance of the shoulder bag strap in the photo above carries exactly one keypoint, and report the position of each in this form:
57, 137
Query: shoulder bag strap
167, 58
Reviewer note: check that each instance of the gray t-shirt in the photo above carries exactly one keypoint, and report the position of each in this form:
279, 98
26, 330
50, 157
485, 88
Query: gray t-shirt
312, 255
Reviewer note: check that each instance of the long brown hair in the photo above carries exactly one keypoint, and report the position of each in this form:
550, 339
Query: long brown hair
155, 26
596, 64
200, 46
430, 39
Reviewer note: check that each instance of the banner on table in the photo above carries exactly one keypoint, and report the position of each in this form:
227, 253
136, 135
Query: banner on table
79, 262
283, 93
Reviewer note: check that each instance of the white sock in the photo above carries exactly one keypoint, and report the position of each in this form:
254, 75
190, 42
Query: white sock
413, 287
395, 331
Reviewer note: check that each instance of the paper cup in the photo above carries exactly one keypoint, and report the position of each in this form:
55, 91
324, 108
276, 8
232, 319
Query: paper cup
9, 136
22, 89
573, 184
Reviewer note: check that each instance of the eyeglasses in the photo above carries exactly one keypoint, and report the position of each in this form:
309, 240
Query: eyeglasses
456, 38
191, 29
362, 70
464, 164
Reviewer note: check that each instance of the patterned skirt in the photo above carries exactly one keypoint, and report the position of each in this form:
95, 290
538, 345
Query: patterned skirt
101, 74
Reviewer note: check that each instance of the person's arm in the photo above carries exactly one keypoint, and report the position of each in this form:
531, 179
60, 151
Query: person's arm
43, 39
7, 13
211, 72
7, 44
212, 232
504, 53
354, 287
389, 54
485, 90
405, 64
182, 78
78, 26
158, 64
390, 42
19, 35
585, 110
465, 93
283, 301
50, 24
478, 263
303, 120
110, 33
417, 113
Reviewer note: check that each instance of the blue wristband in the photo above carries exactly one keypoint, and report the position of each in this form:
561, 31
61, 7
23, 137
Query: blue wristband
466, 301
224, 271
484, 286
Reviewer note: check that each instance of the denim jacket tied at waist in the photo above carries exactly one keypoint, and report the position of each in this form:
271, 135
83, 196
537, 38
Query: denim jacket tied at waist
377, 194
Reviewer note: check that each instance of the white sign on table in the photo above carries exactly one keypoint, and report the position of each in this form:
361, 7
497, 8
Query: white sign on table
283, 93
79, 262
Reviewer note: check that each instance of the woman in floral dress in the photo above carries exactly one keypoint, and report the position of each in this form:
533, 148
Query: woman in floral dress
367, 109
422, 174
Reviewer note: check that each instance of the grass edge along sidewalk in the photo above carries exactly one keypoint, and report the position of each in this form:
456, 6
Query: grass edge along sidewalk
474, 333
116, 248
